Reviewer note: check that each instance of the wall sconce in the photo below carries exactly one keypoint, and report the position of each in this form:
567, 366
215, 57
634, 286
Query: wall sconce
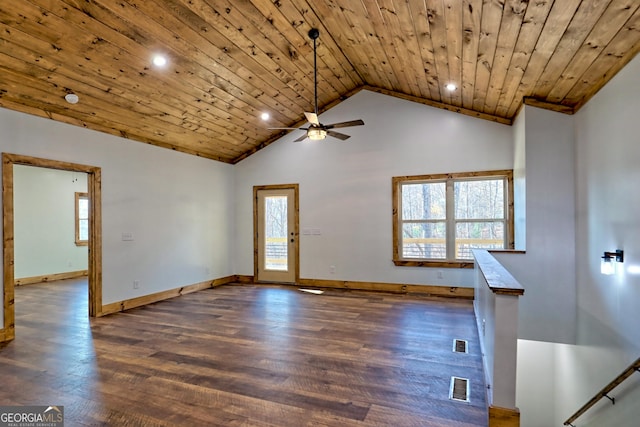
609, 261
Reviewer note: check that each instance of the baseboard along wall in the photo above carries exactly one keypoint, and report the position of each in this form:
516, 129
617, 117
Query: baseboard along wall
425, 290
160, 296
50, 277
398, 288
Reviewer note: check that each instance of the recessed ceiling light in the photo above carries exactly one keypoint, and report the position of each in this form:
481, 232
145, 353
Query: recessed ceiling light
71, 98
265, 116
451, 87
159, 60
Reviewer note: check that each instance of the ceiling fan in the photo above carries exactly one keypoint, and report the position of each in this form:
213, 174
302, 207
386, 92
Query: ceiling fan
316, 130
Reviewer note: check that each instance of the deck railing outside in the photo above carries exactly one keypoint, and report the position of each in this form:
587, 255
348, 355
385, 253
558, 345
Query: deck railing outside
416, 247
276, 248
276, 253
435, 248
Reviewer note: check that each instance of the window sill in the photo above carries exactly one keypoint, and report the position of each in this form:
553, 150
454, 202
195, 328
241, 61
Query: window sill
436, 264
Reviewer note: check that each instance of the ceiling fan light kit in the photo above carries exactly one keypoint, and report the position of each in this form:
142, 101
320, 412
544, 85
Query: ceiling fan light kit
316, 130
316, 134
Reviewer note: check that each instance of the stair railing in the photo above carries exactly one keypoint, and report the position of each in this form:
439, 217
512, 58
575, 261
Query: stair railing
634, 367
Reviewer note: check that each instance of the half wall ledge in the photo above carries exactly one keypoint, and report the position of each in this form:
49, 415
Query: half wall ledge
496, 300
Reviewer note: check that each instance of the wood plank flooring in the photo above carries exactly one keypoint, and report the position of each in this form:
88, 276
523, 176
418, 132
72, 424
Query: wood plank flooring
244, 355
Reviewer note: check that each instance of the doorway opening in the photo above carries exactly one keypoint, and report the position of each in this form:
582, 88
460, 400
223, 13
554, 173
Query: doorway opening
276, 248
94, 270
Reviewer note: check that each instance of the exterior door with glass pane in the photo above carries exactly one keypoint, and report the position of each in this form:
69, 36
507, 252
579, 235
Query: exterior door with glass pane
276, 233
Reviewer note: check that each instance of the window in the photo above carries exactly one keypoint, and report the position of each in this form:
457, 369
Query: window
82, 219
439, 219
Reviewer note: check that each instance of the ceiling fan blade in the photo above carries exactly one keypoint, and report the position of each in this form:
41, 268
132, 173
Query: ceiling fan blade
312, 118
302, 138
345, 124
282, 128
338, 135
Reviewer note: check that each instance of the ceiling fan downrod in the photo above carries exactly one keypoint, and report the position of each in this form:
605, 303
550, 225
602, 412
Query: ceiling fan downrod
316, 130
314, 33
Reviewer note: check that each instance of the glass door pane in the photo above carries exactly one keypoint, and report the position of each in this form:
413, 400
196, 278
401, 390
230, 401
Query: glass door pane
276, 234
276, 247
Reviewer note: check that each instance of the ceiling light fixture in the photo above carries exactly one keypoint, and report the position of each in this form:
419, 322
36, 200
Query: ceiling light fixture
71, 98
316, 130
159, 60
316, 134
265, 116
451, 87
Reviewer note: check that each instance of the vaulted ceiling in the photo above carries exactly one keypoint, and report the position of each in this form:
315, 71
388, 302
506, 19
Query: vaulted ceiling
231, 61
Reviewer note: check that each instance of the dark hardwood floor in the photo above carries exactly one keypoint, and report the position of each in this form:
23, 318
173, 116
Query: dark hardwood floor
244, 355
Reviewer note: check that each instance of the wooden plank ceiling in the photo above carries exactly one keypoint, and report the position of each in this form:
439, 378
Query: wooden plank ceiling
230, 61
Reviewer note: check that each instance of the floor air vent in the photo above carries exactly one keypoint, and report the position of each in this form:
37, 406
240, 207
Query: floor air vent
460, 346
459, 389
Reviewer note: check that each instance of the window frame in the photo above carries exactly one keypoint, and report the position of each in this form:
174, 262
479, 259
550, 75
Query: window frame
449, 178
78, 196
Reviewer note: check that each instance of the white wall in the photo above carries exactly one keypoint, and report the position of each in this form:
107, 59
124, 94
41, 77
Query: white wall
608, 199
547, 270
44, 221
345, 187
178, 207
608, 218
608, 307
497, 322
520, 181
555, 380
536, 384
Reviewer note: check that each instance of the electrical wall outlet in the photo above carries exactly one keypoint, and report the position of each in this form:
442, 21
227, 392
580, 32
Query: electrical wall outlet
332, 269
